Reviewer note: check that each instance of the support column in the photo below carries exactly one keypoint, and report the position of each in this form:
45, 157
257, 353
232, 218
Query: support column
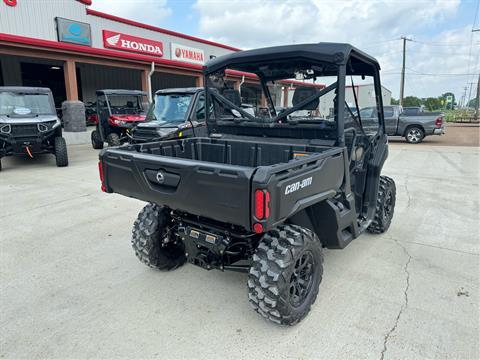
199, 81
70, 75
285, 96
263, 100
144, 78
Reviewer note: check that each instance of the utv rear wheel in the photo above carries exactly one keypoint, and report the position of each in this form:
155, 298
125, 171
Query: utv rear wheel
153, 239
414, 135
61, 155
285, 275
97, 142
387, 195
113, 140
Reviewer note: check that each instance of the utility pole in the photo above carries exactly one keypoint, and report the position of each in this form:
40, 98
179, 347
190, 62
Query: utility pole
464, 96
470, 92
402, 78
477, 102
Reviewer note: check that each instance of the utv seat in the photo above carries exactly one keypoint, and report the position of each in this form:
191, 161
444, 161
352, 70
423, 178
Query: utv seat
302, 93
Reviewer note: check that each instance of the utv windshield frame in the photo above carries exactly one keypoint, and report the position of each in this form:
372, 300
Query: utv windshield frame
21, 90
279, 63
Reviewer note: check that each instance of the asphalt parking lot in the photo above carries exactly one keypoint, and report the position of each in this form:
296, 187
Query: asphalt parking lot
71, 286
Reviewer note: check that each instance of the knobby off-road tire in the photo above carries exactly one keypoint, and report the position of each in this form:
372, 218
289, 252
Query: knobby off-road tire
97, 142
149, 231
387, 194
414, 134
113, 140
61, 155
285, 274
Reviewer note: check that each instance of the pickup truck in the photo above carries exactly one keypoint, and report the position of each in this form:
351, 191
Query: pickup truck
412, 123
264, 192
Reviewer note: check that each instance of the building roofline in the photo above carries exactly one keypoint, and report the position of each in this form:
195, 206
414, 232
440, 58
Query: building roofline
86, 50
157, 29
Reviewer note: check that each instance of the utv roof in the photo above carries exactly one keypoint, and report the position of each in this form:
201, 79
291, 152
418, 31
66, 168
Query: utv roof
251, 60
121, 92
190, 90
25, 89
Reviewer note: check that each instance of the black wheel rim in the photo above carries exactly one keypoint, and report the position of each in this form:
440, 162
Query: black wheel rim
301, 279
388, 206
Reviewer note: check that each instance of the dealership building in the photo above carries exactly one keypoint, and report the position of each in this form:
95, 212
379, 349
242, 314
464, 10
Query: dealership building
75, 50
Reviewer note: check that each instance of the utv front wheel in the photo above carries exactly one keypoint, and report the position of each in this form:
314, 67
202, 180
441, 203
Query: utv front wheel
153, 239
385, 207
61, 155
285, 275
97, 142
113, 140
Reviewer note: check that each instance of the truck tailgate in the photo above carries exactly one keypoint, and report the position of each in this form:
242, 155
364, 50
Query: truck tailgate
212, 190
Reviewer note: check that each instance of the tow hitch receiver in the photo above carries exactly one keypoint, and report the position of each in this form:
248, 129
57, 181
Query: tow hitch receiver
202, 248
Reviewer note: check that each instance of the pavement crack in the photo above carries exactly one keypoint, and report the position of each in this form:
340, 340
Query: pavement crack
387, 336
407, 192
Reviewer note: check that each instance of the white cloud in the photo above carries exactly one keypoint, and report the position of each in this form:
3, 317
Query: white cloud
369, 25
151, 12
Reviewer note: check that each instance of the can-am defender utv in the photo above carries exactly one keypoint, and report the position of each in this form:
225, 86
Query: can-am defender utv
174, 113
29, 124
264, 194
118, 112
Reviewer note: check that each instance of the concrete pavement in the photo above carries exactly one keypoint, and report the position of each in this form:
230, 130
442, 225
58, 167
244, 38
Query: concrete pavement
71, 286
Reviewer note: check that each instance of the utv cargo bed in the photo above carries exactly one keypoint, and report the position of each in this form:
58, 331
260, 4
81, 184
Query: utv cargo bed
215, 178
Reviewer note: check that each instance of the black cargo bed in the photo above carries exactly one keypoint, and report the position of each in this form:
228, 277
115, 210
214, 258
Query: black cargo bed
232, 152
213, 178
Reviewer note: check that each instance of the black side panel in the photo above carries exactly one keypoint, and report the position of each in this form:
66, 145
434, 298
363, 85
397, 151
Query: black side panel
335, 226
374, 170
298, 185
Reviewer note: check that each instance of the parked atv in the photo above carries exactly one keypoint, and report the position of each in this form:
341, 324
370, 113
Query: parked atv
175, 113
118, 112
29, 124
264, 194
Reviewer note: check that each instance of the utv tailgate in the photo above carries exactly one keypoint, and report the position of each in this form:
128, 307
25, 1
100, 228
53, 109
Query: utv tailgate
214, 190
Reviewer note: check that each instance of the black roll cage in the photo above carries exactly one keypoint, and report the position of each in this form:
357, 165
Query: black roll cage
343, 62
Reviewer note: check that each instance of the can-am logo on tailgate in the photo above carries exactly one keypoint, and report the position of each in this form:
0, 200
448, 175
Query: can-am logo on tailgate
298, 185
119, 41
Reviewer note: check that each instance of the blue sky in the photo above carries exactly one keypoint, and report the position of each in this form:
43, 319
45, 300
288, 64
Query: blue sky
441, 28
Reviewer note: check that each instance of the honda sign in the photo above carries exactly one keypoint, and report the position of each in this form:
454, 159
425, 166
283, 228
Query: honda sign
119, 41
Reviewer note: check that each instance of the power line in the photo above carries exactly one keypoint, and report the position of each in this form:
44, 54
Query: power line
443, 44
425, 74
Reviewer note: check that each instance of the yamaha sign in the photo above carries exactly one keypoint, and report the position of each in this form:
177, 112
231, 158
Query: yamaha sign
187, 54
125, 42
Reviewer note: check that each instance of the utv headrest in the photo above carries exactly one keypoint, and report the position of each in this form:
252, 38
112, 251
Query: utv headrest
233, 96
301, 93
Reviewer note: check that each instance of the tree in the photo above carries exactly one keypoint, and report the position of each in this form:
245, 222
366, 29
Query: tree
394, 101
472, 103
412, 101
432, 103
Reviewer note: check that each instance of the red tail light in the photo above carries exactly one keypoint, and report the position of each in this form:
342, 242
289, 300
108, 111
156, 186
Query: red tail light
259, 204
102, 178
438, 122
262, 204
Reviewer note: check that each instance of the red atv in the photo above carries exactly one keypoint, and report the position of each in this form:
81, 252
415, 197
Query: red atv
118, 112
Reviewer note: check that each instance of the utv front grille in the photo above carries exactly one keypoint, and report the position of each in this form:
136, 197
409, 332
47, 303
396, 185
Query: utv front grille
21, 130
145, 133
24, 130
